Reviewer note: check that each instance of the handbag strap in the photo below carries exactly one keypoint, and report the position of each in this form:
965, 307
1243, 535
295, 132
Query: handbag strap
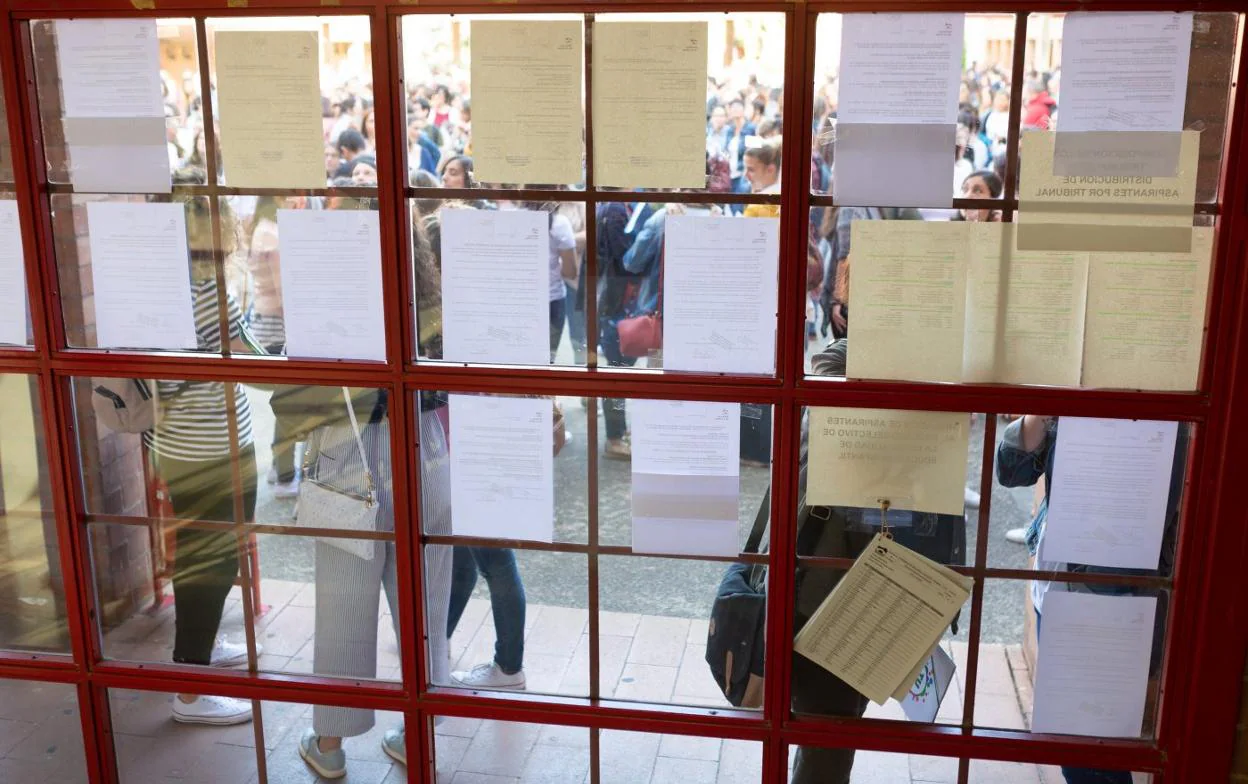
359, 444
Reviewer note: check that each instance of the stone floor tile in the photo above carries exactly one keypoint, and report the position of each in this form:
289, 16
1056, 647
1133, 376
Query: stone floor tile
999, 711
933, 770
646, 682
500, 748
479, 778
740, 762
448, 752
875, 767
13, 733
618, 624
288, 630
563, 736
690, 747
556, 630
659, 641
699, 628
555, 765
670, 770
544, 672
994, 676
992, 772
612, 651
458, 727
694, 678
627, 757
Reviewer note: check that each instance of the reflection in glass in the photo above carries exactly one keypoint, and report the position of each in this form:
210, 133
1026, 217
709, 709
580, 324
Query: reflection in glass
32, 596
43, 733
149, 747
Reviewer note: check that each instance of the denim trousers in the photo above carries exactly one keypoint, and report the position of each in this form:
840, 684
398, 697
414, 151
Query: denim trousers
498, 566
1090, 775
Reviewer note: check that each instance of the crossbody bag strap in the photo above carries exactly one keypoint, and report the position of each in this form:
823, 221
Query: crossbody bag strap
359, 444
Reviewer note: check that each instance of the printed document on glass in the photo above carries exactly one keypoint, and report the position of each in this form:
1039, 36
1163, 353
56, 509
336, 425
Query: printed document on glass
502, 467
719, 294
909, 292
114, 115
927, 690
485, 252
1034, 336
897, 111
269, 95
12, 277
331, 284
916, 460
650, 104
686, 476
141, 273
883, 618
526, 101
1092, 669
1111, 484
1146, 317
1124, 71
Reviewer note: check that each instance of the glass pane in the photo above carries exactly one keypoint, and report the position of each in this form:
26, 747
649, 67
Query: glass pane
151, 747
809, 764
515, 619
643, 756
437, 58
487, 751
32, 594
983, 102
458, 314
347, 738
20, 333
1208, 84
333, 253
42, 732
349, 129
180, 95
995, 772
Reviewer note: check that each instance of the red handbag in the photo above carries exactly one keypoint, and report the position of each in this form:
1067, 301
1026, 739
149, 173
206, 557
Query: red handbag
640, 335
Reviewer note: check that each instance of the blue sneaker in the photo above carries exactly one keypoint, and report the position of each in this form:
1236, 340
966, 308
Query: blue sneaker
327, 764
394, 743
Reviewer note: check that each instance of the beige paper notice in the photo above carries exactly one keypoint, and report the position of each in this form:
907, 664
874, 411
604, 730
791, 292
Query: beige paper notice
650, 104
1104, 213
1146, 317
526, 102
908, 290
884, 617
1030, 331
914, 459
269, 95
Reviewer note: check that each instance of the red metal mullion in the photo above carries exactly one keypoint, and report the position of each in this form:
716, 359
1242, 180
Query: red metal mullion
979, 567
1204, 613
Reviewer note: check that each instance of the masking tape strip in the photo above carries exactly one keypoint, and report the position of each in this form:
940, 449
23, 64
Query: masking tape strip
115, 131
1117, 153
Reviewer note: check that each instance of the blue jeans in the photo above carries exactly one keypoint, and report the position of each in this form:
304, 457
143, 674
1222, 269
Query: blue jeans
1089, 775
498, 566
576, 319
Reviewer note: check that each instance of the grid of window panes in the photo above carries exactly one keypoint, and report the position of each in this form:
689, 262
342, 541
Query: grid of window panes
581, 605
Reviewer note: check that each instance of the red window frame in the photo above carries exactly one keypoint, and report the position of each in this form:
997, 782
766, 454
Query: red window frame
1207, 635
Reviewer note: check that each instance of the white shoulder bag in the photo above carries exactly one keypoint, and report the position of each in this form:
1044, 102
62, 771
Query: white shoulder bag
321, 506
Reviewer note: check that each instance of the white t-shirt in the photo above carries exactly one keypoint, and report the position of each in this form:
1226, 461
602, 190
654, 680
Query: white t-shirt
561, 238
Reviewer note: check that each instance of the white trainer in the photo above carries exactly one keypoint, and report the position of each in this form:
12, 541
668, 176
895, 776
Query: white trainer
971, 498
210, 709
1016, 535
488, 676
231, 654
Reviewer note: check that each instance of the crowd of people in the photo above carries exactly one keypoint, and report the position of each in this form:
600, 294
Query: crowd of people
744, 131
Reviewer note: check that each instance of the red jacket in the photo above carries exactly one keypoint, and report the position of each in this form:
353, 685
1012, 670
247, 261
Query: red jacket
1036, 112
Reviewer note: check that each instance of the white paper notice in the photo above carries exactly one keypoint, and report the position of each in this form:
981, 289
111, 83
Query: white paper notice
1092, 673
1111, 483
109, 67
502, 467
1124, 71
686, 477
141, 273
331, 283
897, 110
485, 252
12, 277
114, 112
719, 294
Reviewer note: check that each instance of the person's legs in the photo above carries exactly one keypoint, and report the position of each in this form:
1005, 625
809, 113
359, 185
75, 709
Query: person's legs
557, 314
613, 408
435, 516
463, 580
576, 321
817, 691
507, 604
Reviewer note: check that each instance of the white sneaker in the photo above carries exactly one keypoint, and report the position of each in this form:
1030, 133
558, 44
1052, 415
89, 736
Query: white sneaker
286, 490
210, 709
1016, 535
971, 498
488, 676
231, 654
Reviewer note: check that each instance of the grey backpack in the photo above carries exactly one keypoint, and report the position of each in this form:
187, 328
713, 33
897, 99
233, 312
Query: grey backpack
124, 405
